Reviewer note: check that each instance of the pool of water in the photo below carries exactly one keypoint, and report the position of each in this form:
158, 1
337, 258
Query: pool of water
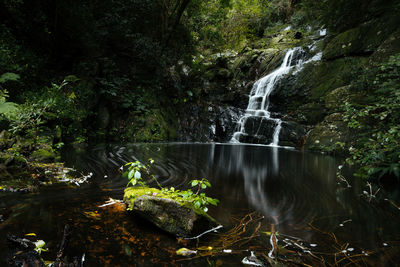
261, 190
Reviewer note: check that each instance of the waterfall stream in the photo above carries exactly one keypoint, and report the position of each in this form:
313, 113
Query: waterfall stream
257, 114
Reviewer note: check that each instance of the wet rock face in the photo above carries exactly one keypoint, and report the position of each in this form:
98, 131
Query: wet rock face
260, 130
291, 133
260, 126
212, 123
225, 123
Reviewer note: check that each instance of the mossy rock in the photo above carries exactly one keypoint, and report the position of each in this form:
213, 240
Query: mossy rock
334, 100
310, 113
324, 77
331, 135
364, 39
223, 73
284, 40
302, 96
171, 214
388, 48
270, 59
43, 155
10, 160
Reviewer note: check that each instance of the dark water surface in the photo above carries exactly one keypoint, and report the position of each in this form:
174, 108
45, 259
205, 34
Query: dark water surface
298, 193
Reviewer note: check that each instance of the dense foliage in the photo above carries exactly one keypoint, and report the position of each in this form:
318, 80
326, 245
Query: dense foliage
340, 15
376, 120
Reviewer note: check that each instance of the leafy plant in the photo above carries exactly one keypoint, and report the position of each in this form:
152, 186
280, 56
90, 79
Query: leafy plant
6, 108
197, 199
29, 117
134, 173
39, 246
376, 122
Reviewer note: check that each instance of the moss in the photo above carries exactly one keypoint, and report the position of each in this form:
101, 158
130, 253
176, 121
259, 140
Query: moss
331, 135
389, 47
285, 40
43, 155
335, 99
324, 77
223, 73
364, 39
270, 59
132, 193
154, 126
310, 113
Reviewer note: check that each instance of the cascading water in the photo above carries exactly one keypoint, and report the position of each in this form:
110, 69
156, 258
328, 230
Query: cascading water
257, 113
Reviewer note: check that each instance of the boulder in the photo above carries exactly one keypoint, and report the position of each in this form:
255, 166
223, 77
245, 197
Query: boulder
331, 135
389, 47
364, 39
172, 215
335, 99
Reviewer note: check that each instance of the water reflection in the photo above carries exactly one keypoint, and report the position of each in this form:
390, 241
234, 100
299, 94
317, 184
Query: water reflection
289, 188
288, 185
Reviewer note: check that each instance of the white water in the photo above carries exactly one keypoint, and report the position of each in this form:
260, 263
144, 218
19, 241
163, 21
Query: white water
259, 97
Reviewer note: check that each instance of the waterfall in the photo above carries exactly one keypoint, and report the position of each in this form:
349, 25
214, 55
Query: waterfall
257, 109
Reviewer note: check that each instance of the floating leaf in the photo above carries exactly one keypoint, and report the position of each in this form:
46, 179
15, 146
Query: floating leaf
205, 248
185, 252
269, 233
31, 234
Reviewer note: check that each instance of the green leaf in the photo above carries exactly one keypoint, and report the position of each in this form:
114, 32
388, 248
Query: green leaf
71, 78
130, 174
195, 182
203, 186
7, 107
213, 201
9, 76
137, 175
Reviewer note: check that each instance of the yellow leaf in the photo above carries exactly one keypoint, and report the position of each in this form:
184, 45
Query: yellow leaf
269, 233
31, 234
205, 248
185, 252
72, 95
